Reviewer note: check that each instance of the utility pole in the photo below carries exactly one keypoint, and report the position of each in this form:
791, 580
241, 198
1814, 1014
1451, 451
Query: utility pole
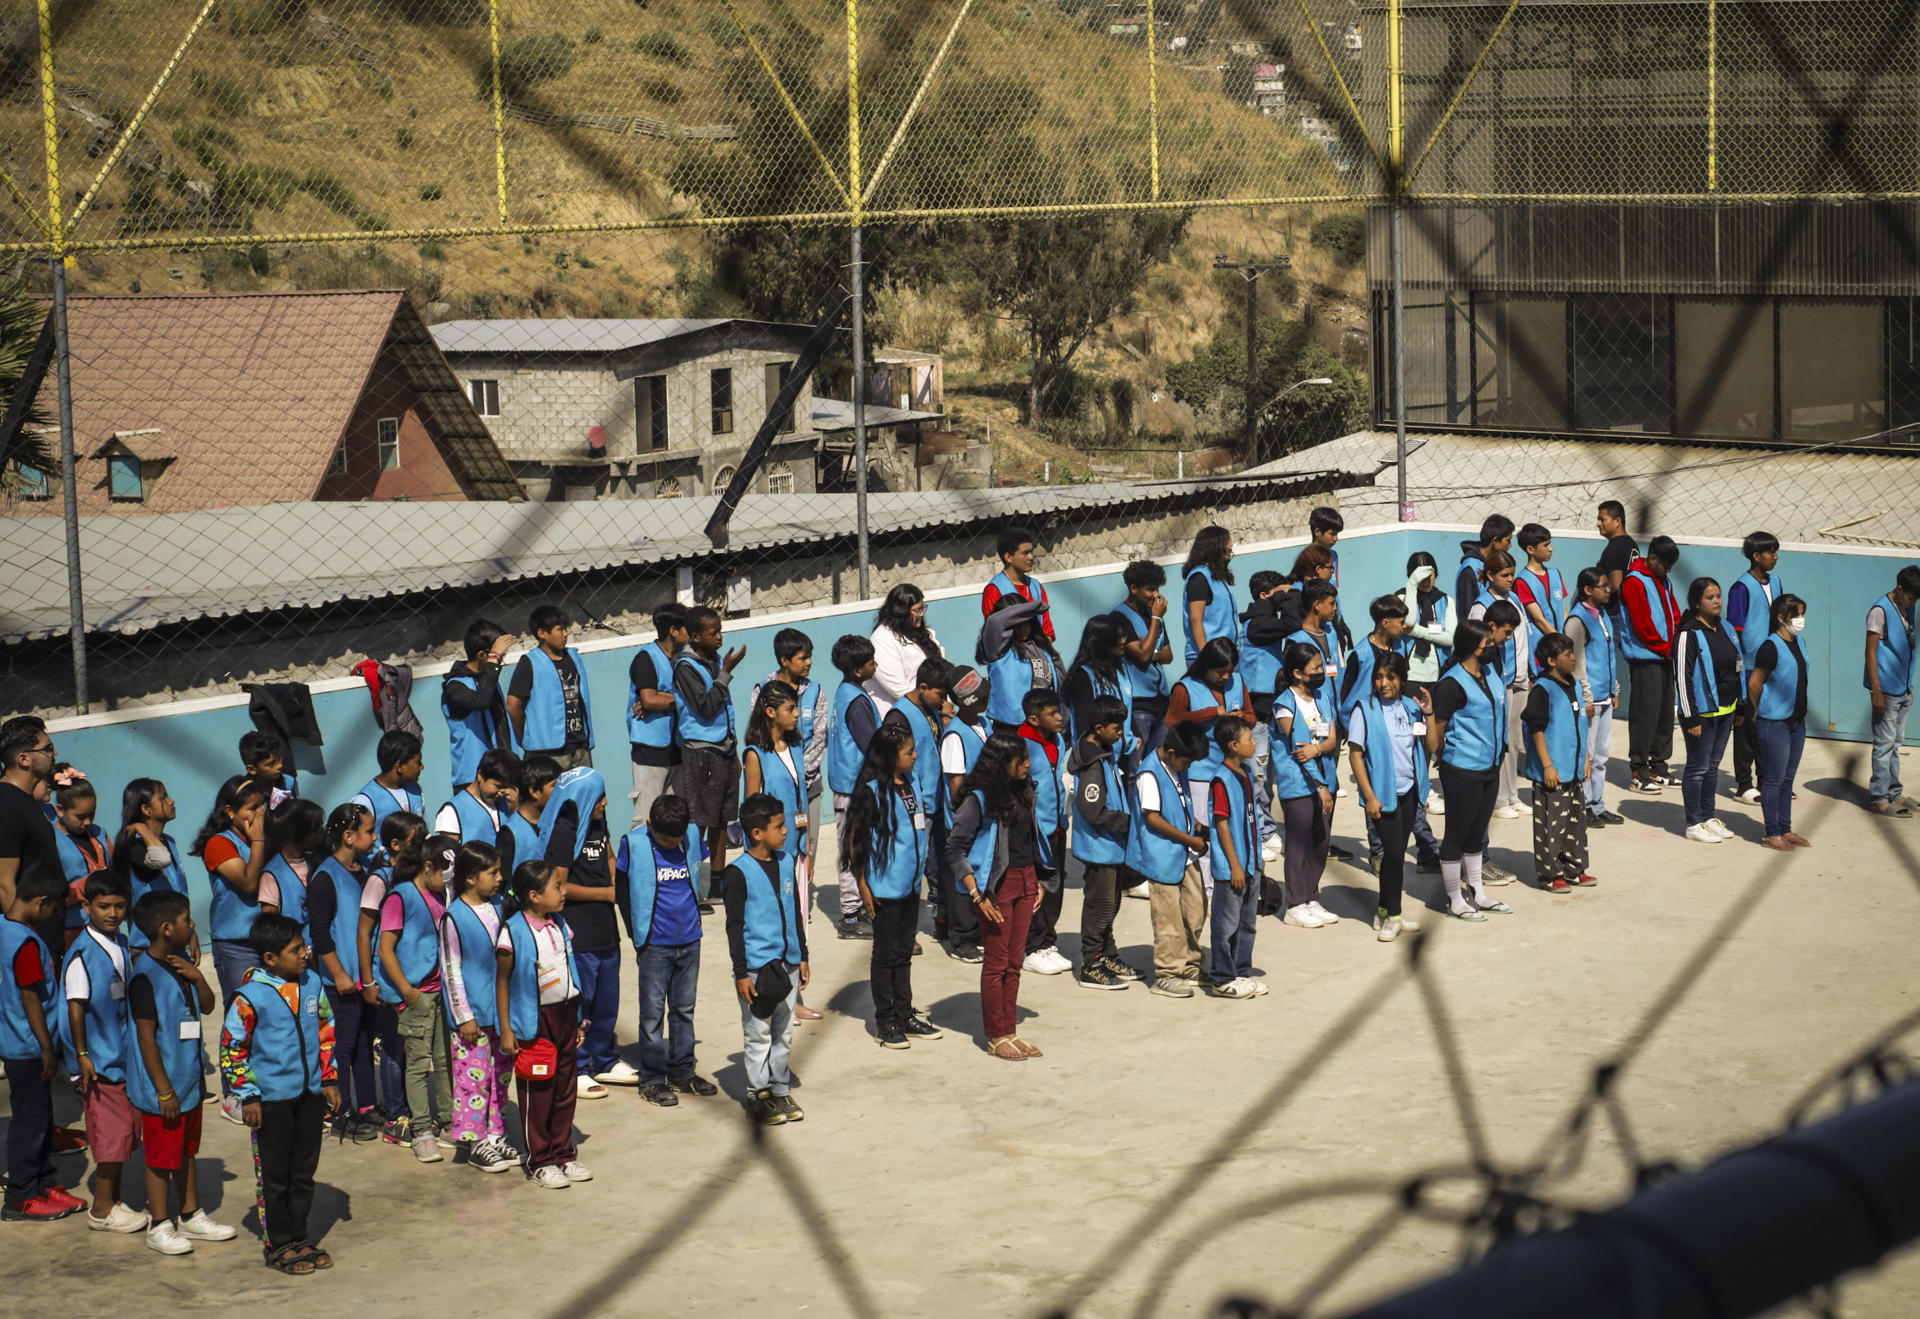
1250, 271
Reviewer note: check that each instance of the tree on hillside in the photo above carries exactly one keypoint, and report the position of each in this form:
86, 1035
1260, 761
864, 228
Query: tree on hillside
1214, 382
20, 321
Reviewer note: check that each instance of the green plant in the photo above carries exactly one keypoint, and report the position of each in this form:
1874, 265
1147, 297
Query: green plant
385, 89
247, 18
526, 62
404, 137
1344, 234
331, 193
263, 185
663, 45
431, 192
222, 94
432, 251
372, 220
724, 31
592, 37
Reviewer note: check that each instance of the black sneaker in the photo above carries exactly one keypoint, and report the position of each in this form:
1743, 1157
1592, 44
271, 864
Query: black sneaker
1610, 817
659, 1094
1339, 853
892, 1037
765, 1108
918, 1027
706, 908
1120, 967
968, 952
1427, 866
1096, 975
854, 927
791, 1109
694, 1084
1646, 783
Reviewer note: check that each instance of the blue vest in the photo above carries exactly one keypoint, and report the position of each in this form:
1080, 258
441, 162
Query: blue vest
1406, 642
1476, 736
777, 782
293, 890
417, 949
347, 888
74, 864
843, 753
1780, 692
655, 728
230, 913
581, 787
926, 748
894, 868
174, 1007
1894, 657
772, 916
1201, 697
526, 837
172, 879
690, 727
523, 987
477, 825
643, 877
381, 800
1220, 618
479, 967
1630, 642
1757, 626
1163, 860
1698, 682
109, 1027
1553, 608
1509, 650
1260, 666
1599, 652
1566, 735
1291, 778
1011, 677
1357, 681
1093, 846
971, 740
16, 1037
1240, 824
1328, 644
1382, 771
809, 700
1149, 679
469, 736
984, 853
285, 1051
1048, 813
1121, 691
1035, 591
545, 720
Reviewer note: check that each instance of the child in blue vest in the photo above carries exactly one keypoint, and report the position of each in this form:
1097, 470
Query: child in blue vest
709, 755
166, 997
520, 824
1556, 762
1207, 609
1102, 825
1142, 617
1777, 687
957, 923
296, 830
1163, 844
887, 849
793, 656
855, 717
923, 713
1467, 734
1749, 605
1590, 627
1539, 589
467, 971
82, 844
98, 1033
1514, 664
409, 977
767, 945
774, 763
276, 1052
334, 890
1015, 546
1043, 733
263, 756
655, 750
654, 874
1496, 533
1018, 659
1386, 736
1233, 862
478, 812
397, 786
1213, 686
1306, 739
233, 846
31, 1021
1266, 641
399, 832
143, 850
1889, 680
537, 1003
472, 703
547, 699
575, 841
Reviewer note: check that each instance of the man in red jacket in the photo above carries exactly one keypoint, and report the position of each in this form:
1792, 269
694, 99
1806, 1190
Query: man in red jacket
1646, 639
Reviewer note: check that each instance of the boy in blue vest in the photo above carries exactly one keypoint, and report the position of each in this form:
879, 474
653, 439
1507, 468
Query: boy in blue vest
1496, 533
1266, 638
1143, 628
520, 825
98, 1033
472, 703
276, 1051
1043, 731
166, 997
547, 698
397, 786
703, 714
1102, 823
1016, 548
1556, 760
957, 923
1889, 679
923, 713
262, 757
1389, 614
1163, 845
1538, 588
478, 812
650, 711
30, 1047
1748, 608
653, 875
1233, 862
1650, 619
855, 717
767, 943
793, 660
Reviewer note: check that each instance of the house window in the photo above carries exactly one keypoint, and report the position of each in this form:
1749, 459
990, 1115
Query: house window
389, 444
338, 467
669, 488
778, 373
33, 482
780, 479
486, 396
123, 477
721, 387
722, 479
650, 412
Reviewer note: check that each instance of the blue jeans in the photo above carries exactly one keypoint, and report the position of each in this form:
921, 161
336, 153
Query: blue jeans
1889, 731
390, 1070
767, 1044
1260, 770
1781, 741
1599, 744
232, 959
669, 977
599, 1008
1705, 751
1231, 957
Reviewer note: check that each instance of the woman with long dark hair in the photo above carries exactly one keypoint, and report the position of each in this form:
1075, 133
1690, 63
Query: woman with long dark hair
1467, 731
1097, 672
1207, 610
887, 852
1213, 687
902, 642
143, 851
995, 850
1706, 670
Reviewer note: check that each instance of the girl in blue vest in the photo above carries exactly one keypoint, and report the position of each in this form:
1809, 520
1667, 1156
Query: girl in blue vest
537, 999
1213, 687
886, 842
1777, 689
1098, 670
1386, 736
1428, 640
1306, 742
855, 717
143, 850
1590, 626
82, 844
1467, 731
94, 980
296, 831
1019, 659
1555, 722
467, 970
955, 922
410, 980
1207, 608
233, 846
1706, 669
334, 889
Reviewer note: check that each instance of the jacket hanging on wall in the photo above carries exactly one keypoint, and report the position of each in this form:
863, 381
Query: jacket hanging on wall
283, 710
391, 688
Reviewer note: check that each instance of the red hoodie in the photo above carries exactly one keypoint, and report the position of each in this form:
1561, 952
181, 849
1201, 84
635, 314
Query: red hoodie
1640, 607
1052, 744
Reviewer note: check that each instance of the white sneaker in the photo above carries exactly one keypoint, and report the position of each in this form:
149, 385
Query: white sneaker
621, 1073
585, 1087
1718, 827
1326, 917
1523, 808
1699, 833
230, 1110
1751, 796
1343, 791
1507, 812
1436, 804
202, 1228
1233, 989
551, 1179
120, 1218
1058, 958
1259, 987
426, 1150
575, 1171
1036, 963
1388, 930
165, 1238
1272, 850
1301, 914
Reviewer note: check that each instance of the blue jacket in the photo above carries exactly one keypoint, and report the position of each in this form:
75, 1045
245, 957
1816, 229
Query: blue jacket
772, 916
653, 729
176, 1034
477, 823
1783, 693
283, 1051
1220, 617
843, 753
1602, 682
1551, 596
1894, 657
1242, 829
1381, 770
1476, 736
581, 788
1162, 860
231, 913
777, 782
417, 949
1566, 735
347, 888
523, 986
688, 725
1011, 678
1201, 697
293, 889
382, 802
479, 966
1749, 612
894, 868
545, 721
1144, 680
643, 878
109, 1028
1049, 811
471, 735
1291, 778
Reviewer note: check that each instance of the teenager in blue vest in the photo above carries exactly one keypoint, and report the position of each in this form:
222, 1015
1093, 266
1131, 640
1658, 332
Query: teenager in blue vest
855, 717
1649, 618
233, 846
1539, 589
1018, 659
263, 756
767, 944
547, 698
143, 850
1706, 662
1749, 603
1319, 604
468, 972
887, 849
1016, 547
1467, 733
793, 660
1591, 627
1386, 738
94, 980
1212, 687
704, 727
1889, 679
1777, 687
1162, 845
957, 923
166, 998
478, 812
1306, 740
575, 841
334, 890
32, 1018
408, 972
473, 705
276, 1052
1099, 669
397, 786
1102, 823
1233, 862
1142, 618
82, 844
1207, 608
1044, 734
923, 713
1266, 634
1497, 606
1556, 763
520, 831
654, 872
1496, 533
296, 831
651, 706
774, 763
537, 1003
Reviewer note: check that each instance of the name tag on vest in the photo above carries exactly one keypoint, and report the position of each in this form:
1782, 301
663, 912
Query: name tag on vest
1420, 728
117, 990
190, 1030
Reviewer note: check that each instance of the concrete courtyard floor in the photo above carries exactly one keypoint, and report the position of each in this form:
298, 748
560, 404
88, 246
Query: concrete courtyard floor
1165, 1153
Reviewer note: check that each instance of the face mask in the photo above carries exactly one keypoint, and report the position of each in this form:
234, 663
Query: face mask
1315, 684
158, 858
1798, 625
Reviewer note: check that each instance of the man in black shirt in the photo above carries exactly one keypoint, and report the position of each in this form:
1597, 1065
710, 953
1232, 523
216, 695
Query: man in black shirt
26, 834
1620, 551
587, 872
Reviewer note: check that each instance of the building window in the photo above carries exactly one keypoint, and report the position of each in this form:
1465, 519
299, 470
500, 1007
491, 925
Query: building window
33, 483
389, 443
778, 373
720, 385
650, 412
669, 488
780, 479
722, 479
123, 477
486, 396
338, 467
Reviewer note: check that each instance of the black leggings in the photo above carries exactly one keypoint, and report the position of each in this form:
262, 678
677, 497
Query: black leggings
1470, 796
1394, 824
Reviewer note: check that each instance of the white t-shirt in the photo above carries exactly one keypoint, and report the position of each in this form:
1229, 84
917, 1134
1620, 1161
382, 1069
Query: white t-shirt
77, 984
448, 820
953, 752
549, 960
1146, 791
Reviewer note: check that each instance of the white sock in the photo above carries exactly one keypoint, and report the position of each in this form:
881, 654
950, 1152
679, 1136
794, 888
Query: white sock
1470, 865
1450, 876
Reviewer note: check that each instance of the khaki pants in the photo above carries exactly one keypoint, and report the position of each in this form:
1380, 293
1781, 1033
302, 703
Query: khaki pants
1179, 913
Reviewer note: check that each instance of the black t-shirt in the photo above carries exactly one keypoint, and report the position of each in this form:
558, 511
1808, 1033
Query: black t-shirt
645, 676
522, 688
1540, 703
140, 1001
1618, 556
1021, 847
26, 835
595, 925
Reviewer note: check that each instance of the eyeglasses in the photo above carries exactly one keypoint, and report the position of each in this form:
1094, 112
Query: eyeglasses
46, 750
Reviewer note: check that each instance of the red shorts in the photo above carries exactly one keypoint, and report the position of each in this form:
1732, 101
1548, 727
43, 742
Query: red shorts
170, 1144
113, 1133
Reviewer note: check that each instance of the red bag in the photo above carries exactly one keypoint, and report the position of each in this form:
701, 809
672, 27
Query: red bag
537, 1061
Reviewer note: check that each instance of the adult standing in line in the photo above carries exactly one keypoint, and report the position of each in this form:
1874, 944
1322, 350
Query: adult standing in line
26, 833
1207, 609
1620, 551
1651, 618
902, 642
1706, 667
1889, 679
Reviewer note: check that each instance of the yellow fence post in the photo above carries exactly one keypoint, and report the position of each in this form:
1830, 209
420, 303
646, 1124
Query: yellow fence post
1713, 96
50, 132
1153, 105
499, 117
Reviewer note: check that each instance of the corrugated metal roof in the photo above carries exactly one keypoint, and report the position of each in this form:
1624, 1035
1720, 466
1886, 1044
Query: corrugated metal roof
833, 415
573, 335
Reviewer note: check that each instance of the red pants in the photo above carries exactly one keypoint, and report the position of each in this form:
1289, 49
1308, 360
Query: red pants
546, 1107
1005, 945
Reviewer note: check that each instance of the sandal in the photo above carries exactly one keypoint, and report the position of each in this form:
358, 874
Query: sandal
320, 1258
291, 1258
805, 1013
1027, 1049
1006, 1048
